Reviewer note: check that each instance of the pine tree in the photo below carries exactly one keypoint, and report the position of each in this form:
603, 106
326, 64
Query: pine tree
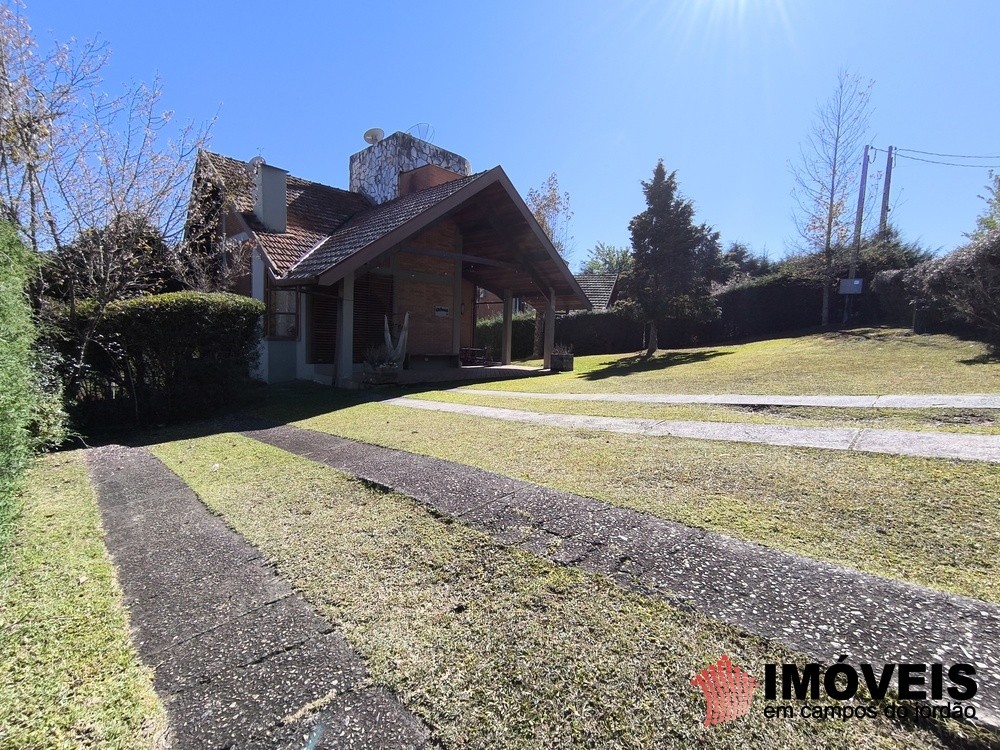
671, 259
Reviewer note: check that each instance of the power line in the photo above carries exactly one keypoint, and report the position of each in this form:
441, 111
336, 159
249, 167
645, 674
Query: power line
947, 163
946, 156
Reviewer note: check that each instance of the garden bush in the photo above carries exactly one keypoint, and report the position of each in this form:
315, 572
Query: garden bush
489, 335
966, 284
588, 332
164, 357
768, 305
611, 331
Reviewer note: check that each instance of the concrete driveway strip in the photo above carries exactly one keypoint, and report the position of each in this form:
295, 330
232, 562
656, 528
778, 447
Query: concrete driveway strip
820, 609
941, 401
898, 442
239, 659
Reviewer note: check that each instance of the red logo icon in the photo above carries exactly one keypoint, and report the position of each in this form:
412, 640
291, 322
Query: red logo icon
728, 691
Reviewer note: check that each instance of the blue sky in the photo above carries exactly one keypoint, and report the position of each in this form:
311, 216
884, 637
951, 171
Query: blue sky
723, 91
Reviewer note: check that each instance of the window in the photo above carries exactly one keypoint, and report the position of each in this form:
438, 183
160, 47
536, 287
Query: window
282, 313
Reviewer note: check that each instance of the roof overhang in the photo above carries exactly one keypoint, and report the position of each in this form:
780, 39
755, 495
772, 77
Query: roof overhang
503, 247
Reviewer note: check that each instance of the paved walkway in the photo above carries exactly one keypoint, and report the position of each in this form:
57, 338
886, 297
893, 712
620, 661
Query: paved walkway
898, 442
820, 609
239, 659
945, 401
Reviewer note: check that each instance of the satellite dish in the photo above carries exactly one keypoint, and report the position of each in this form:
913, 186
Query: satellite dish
374, 135
254, 165
422, 130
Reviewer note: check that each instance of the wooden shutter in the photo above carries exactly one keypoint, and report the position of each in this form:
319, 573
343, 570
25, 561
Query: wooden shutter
372, 303
323, 329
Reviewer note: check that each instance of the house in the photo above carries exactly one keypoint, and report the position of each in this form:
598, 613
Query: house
601, 289
416, 233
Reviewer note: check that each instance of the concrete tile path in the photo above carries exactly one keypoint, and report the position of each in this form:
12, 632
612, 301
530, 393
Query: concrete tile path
239, 659
942, 401
820, 609
897, 442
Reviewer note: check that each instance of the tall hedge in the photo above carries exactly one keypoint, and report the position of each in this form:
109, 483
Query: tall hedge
619, 329
29, 415
589, 332
489, 335
167, 356
768, 305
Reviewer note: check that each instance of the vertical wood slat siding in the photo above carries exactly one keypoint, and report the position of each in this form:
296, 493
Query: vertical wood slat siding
372, 303
323, 329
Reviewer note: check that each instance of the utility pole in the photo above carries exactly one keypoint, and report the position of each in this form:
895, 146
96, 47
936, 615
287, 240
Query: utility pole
857, 220
884, 220
856, 245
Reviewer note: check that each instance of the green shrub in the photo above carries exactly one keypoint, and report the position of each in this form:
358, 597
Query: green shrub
164, 357
30, 414
966, 283
767, 305
611, 331
489, 335
958, 293
619, 329
900, 299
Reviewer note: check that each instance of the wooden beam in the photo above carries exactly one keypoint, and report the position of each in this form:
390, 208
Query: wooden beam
498, 226
344, 353
550, 329
464, 257
508, 326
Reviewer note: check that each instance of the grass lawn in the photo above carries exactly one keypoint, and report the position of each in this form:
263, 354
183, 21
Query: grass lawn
971, 421
69, 677
493, 647
928, 521
858, 362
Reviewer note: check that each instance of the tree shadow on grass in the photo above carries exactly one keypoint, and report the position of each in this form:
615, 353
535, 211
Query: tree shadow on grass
260, 408
990, 357
640, 363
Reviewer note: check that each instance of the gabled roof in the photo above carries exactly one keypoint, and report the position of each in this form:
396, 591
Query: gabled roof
369, 226
315, 211
599, 288
331, 232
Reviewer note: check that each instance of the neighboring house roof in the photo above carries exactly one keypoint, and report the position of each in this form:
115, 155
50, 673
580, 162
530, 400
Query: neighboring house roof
599, 288
332, 232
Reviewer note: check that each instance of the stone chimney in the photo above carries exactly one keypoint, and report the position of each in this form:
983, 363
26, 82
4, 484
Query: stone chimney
270, 199
402, 164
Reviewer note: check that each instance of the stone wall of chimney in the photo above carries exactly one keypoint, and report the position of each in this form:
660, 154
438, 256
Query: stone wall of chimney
375, 171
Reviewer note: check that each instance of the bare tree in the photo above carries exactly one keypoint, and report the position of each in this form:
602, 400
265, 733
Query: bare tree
826, 175
89, 177
552, 212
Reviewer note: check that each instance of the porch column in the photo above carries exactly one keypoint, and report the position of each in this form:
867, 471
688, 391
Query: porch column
345, 334
508, 326
456, 311
550, 328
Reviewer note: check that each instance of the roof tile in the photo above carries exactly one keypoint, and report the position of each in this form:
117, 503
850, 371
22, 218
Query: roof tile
371, 225
598, 287
315, 211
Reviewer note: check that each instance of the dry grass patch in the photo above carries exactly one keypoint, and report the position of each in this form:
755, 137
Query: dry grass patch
493, 647
69, 676
933, 522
